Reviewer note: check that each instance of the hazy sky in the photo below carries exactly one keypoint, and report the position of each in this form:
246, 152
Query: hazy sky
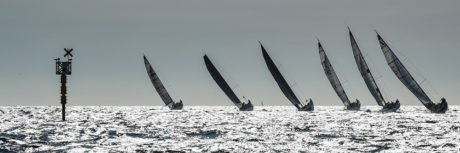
110, 36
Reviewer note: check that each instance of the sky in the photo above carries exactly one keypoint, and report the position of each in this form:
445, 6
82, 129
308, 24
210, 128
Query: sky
109, 38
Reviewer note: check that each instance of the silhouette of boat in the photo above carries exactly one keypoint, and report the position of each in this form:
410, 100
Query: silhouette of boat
406, 78
283, 85
225, 87
369, 79
335, 82
160, 88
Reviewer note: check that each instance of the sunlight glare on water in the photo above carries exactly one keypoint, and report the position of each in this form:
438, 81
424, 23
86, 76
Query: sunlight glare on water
224, 128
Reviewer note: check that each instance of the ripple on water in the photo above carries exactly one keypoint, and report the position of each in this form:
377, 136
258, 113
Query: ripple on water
204, 134
225, 129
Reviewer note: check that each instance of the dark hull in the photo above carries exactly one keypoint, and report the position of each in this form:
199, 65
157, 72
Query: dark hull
177, 106
309, 107
391, 106
247, 107
354, 106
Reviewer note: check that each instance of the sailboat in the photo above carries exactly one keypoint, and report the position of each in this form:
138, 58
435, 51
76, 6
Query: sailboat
335, 82
225, 87
160, 88
369, 79
406, 78
287, 91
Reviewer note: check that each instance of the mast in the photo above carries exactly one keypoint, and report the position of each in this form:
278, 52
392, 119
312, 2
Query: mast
365, 72
332, 76
158, 85
221, 82
283, 85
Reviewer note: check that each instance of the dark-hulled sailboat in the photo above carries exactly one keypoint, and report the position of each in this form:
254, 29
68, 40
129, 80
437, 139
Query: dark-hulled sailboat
335, 82
160, 88
369, 79
287, 91
406, 78
225, 87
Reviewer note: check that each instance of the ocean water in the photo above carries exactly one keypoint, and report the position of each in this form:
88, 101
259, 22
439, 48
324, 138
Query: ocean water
225, 129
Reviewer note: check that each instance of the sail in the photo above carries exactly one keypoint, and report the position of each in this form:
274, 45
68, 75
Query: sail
157, 83
365, 72
287, 91
221, 82
332, 76
401, 72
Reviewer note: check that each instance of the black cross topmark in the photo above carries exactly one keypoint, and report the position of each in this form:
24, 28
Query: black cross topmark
67, 52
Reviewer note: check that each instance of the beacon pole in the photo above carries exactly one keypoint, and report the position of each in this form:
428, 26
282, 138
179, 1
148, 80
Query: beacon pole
64, 68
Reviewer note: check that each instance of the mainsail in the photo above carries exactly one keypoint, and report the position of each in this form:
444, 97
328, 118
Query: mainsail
406, 78
160, 88
402, 73
224, 86
365, 72
287, 91
332, 76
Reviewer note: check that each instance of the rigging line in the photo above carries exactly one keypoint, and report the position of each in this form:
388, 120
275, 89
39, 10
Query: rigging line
166, 84
415, 70
381, 83
383, 88
438, 96
294, 84
427, 91
228, 78
299, 96
418, 73
430, 91
233, 85
287, 76
421, 82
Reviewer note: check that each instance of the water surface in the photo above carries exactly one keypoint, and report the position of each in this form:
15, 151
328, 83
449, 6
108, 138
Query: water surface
212, 129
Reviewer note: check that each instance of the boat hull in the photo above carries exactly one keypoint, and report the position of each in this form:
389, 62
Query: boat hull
247, 107
437, 108
391, 106
177, 106
354, 106
309, 107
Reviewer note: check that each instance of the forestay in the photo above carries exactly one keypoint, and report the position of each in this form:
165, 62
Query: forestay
221, 82
365, 72
287, 91
157, 84
332, 76
401, 72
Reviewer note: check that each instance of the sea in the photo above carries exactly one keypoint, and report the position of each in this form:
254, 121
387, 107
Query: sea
225, 129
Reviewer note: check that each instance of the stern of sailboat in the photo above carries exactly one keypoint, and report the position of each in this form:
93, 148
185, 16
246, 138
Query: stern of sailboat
308, 107
247, 106
177, 105
441, 107
354, 105
391, 106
